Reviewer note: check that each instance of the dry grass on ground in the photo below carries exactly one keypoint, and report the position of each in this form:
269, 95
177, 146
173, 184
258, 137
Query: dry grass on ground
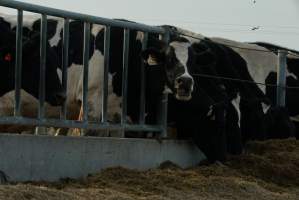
268, 170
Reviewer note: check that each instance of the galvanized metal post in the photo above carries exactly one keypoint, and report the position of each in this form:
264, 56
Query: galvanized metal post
124, 79
143, 83
106, 70
125, 75
18, 67
85, 69
42, 75
42, 78
65, 64
281, 78
164, 101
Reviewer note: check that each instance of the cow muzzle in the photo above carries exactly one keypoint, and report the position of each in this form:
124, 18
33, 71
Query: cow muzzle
58, 99
183, 88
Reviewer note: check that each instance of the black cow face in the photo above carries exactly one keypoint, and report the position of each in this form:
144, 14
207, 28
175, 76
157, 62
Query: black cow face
174, 58
30, 70
76, 43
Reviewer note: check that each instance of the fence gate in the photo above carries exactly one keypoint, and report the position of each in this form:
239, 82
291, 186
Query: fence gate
41, 121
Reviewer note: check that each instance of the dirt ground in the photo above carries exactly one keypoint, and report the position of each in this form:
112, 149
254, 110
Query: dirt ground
267, 170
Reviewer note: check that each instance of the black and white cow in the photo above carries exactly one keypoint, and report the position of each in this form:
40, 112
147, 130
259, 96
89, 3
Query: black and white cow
54, 95
30, 66
74, 91
262, 66
292, 96
223, 111
180, 81
165, 66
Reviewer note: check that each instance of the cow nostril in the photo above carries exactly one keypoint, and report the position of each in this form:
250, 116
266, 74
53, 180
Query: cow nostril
60, 98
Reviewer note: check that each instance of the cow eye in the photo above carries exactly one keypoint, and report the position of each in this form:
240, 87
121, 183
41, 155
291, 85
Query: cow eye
169, 65
170, 60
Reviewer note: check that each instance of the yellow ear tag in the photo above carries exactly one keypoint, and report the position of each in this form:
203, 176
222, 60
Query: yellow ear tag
151, 60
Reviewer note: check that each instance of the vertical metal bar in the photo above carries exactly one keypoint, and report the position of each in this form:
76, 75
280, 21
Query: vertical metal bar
143, 83
281, 78
85, 69
65, 64
42, 79
18, 67
125, 75
106, 70
42, 73
164, 101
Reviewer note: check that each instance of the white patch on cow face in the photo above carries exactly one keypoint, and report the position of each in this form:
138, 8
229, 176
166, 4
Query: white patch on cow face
59, 73
96, 28
56, 38
295, 118
209, 114
265, 107
236, 103
167, 90
181, 51
140, 36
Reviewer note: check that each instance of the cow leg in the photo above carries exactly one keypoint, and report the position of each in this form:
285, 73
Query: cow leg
253, 120
279, 124
296, 124
233, 131
210, 135
219, 139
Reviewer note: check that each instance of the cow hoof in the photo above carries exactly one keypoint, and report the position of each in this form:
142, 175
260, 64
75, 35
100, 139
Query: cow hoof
3, 178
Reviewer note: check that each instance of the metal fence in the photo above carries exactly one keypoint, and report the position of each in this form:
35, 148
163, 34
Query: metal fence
88, 20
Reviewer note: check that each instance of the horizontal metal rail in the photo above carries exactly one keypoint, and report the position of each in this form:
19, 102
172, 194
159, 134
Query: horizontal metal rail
77, 16
22, 121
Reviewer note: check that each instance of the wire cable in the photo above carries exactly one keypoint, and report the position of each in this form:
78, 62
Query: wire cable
242, 80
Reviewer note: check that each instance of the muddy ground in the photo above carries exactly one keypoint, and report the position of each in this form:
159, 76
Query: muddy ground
267, 170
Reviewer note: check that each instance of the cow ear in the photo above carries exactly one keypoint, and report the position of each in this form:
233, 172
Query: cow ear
152, 56
167, 90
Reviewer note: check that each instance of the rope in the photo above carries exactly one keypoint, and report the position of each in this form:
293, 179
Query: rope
241, 80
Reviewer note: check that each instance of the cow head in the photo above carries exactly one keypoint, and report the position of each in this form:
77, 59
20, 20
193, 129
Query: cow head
30, 69
174, 59
76, 43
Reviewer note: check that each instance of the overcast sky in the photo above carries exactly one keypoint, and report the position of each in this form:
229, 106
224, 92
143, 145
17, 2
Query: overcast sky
277, 20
